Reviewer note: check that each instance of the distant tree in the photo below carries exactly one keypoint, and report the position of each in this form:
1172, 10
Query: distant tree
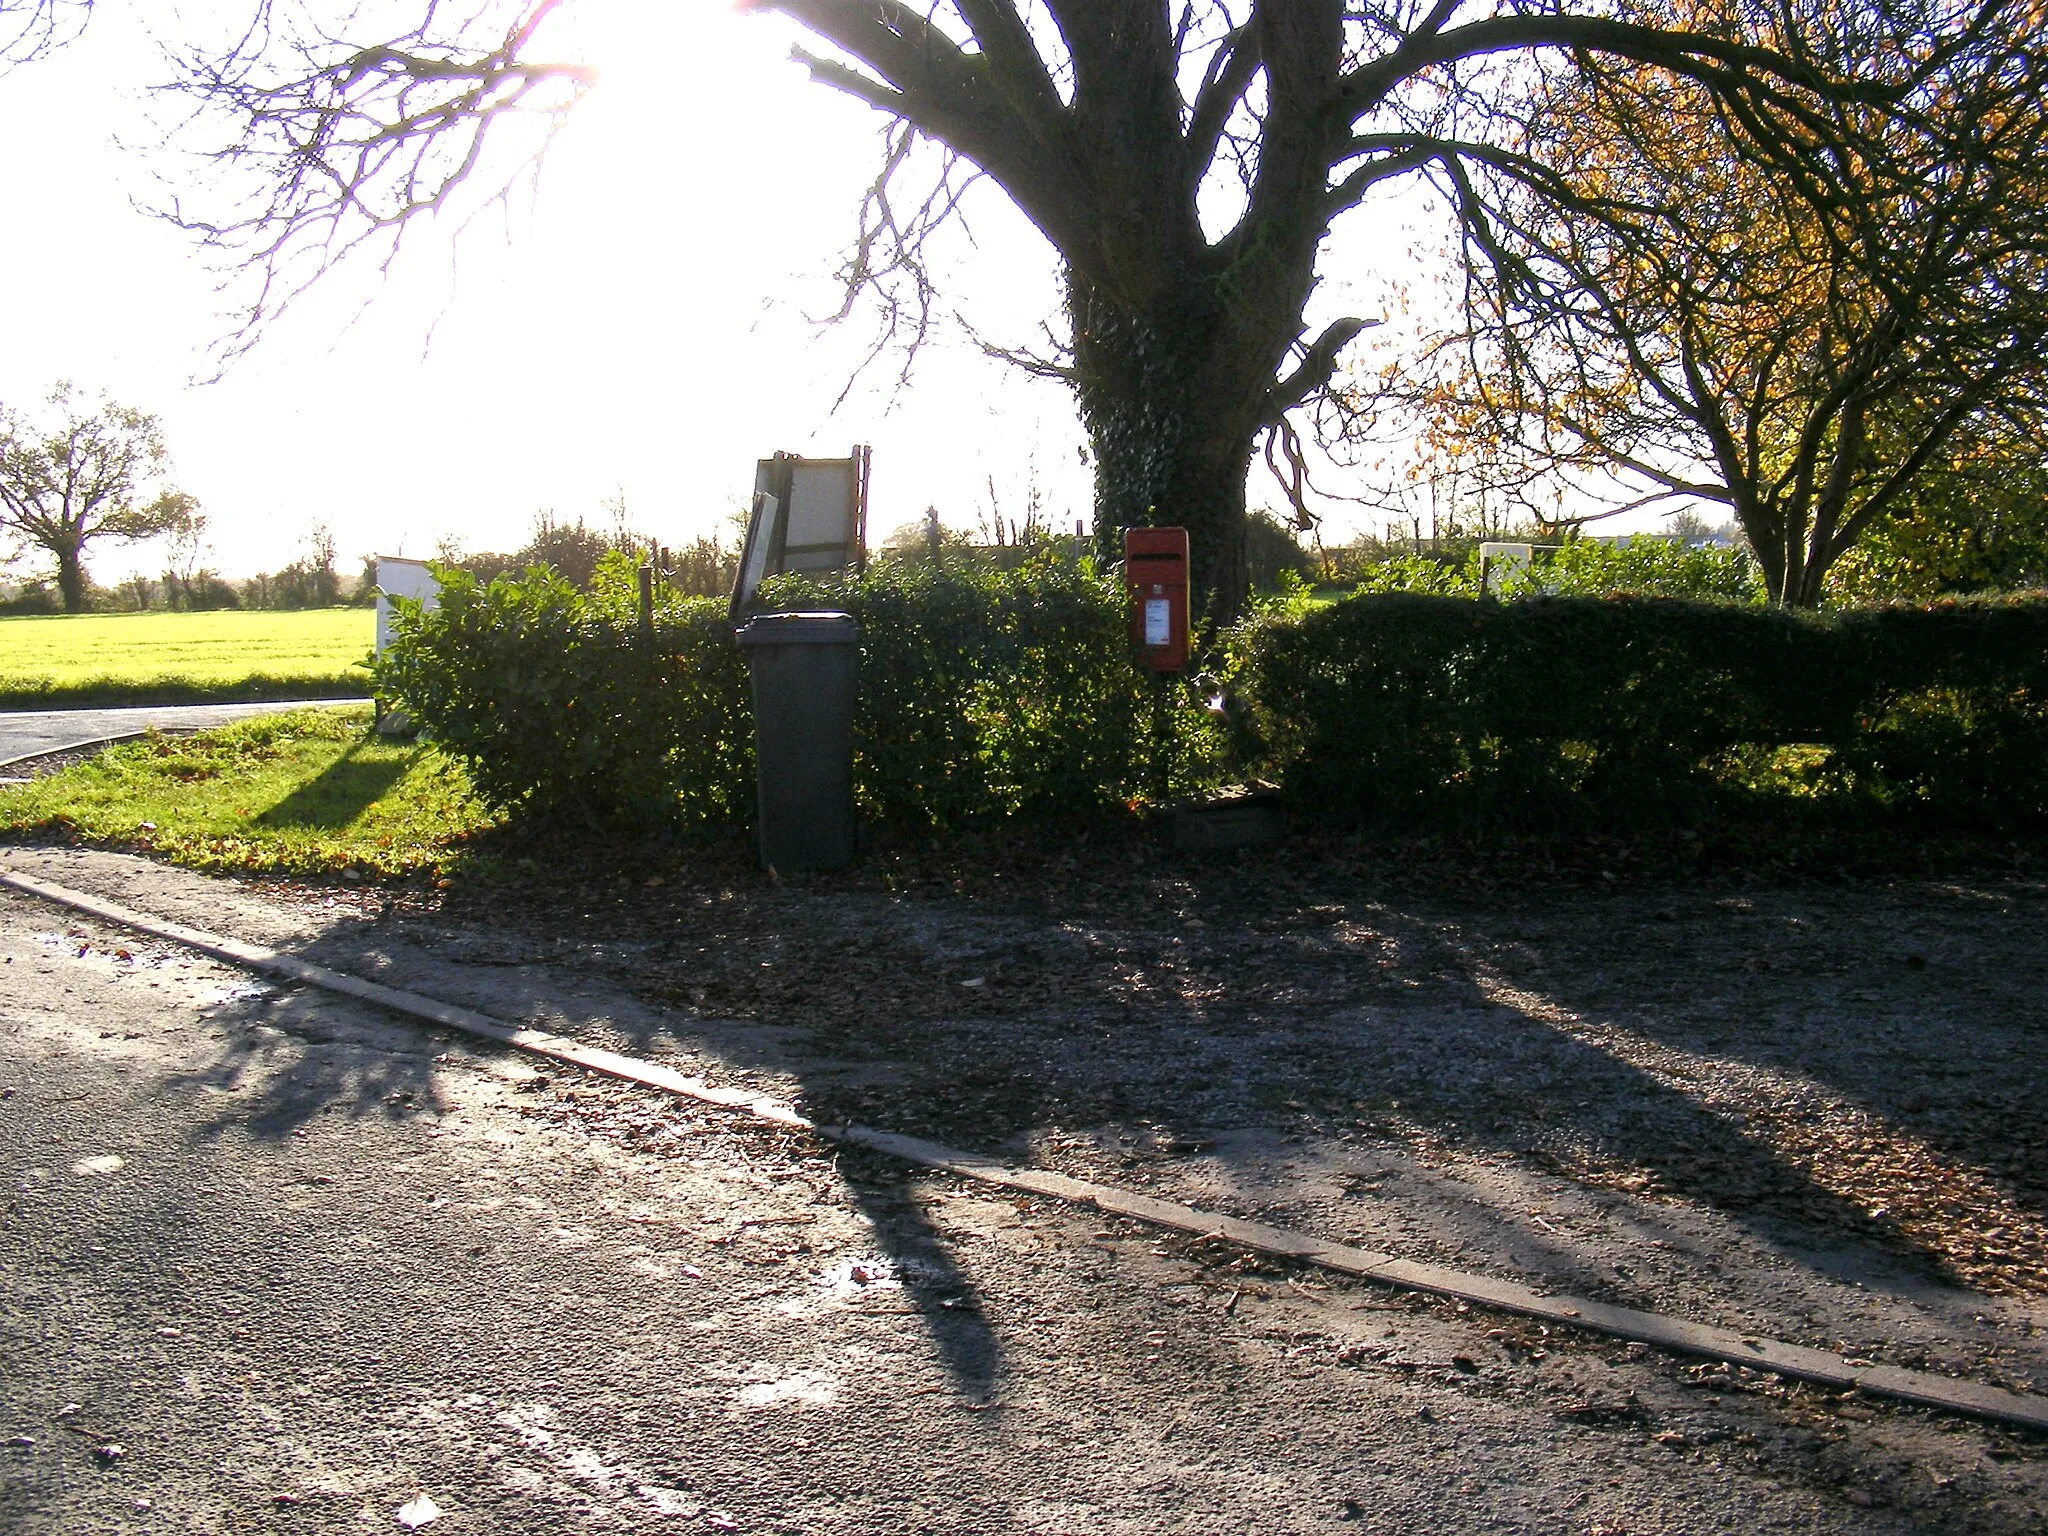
573, 549
997, 533
85, 476
323, 582
923, 538
198, 590
704, 567
1690, 529
1272, 547
32, 597
187, 546
310, 581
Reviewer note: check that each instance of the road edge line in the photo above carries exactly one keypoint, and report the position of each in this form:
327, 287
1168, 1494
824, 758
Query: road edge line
1925, 1389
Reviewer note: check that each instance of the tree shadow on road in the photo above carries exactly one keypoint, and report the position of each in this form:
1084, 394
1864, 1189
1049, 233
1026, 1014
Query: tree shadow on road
933, 1280
289, 1057
1211, 1023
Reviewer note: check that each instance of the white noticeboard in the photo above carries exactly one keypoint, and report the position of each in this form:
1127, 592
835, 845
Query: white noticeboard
398, 577
1500, 561
1158, 621
822, 532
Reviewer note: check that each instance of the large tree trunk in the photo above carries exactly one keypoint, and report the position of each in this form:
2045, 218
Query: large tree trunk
1807, 591
1766, 537
71, 582
1174, 401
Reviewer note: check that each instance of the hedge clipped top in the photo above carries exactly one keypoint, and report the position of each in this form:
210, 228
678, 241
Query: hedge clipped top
560, 705
1402, 699
988, 694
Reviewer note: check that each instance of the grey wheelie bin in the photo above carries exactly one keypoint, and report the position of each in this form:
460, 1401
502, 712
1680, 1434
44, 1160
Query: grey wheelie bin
805, 669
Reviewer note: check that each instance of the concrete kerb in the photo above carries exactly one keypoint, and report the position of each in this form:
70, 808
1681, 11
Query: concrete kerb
1922, 1388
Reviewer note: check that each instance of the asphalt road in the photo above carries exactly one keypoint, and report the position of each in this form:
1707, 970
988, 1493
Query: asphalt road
274, 1261
27, 733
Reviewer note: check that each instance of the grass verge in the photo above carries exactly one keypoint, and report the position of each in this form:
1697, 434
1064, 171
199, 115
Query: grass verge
305, 793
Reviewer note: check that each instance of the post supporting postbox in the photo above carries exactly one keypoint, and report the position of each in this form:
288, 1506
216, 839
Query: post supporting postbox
1156, 577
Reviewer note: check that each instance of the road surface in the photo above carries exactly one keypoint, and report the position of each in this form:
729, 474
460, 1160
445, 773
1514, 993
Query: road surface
271, 1260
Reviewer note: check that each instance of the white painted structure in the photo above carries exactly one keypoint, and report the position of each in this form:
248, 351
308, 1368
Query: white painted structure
1499, 561
397, 577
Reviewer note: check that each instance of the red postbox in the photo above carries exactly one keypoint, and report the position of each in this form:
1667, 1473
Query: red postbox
1156, 573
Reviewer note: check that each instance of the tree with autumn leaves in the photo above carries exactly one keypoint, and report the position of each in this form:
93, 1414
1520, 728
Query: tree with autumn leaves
1825, 356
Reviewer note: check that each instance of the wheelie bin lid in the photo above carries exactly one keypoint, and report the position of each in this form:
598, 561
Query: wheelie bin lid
799, 629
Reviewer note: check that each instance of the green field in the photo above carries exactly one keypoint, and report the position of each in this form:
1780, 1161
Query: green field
135, 658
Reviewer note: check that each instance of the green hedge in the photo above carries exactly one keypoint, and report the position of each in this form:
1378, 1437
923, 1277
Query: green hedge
1630, 707
983, 694
561, 706
990, 694
1004, 693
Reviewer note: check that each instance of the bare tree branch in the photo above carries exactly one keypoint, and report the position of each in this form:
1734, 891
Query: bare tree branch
1683, 307
345, 147
1186, 163
29, 29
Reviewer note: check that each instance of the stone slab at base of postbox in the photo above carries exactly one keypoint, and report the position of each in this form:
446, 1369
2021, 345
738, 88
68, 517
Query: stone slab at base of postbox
1222, 824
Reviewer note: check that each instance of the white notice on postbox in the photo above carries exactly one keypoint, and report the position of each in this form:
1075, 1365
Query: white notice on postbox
1158, 625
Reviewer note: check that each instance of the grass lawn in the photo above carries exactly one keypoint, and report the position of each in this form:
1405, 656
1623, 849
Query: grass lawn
309, 792
75, 660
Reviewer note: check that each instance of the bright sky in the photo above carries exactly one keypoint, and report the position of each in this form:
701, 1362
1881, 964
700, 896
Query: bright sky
638, 326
